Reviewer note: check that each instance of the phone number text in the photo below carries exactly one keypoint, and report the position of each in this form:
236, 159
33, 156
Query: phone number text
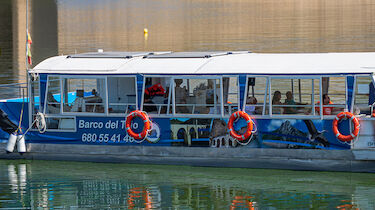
105, 137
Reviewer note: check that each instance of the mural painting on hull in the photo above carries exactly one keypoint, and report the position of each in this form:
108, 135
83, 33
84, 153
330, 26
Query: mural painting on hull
207, 132
273, 133
299, 134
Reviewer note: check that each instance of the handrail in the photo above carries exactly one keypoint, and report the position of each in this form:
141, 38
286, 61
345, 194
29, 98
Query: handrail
13, 84
13, 91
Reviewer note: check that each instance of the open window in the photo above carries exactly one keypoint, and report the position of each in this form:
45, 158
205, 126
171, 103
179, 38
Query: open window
122, 95
84, 95
157, 95
256, 95
293, 96
333, 95
52, 106
197, 96
362, 99
53, 98
230, 95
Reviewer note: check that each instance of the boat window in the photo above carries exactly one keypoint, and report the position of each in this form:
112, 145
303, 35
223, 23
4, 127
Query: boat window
60, 123
256, 92
293, 96
334, 95
230, 94
34, 98
157, 95
122, 95
34, 84
53, 99
84, 95
363, 87
197, 96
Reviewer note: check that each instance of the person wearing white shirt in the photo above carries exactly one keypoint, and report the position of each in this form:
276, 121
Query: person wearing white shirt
79, 104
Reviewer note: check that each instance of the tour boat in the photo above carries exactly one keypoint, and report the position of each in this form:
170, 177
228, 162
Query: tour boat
302, 111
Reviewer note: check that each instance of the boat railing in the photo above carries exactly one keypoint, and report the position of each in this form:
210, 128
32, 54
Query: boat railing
159, 109
14, 91
128, 107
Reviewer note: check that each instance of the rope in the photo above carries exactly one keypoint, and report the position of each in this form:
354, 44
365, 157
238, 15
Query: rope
29, 128
20, 121
251, 137
41, 122
21, 116
246, 143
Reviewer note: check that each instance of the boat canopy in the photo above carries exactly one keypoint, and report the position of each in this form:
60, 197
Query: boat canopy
206, 63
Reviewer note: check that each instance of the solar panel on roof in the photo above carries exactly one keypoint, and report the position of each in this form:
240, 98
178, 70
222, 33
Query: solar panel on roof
193, 54
126, 55
188, 55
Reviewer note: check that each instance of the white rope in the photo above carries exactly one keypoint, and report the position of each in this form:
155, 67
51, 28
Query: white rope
251, 136
255, 127
41, 122
246, 143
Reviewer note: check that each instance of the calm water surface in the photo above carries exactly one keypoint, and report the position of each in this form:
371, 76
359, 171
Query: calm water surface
73, 185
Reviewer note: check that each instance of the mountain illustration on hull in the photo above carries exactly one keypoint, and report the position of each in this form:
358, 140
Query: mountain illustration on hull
287, 129
287, 132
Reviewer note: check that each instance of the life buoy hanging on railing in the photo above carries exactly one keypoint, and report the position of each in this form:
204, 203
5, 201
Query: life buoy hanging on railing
233, 133
354, 120
146, 124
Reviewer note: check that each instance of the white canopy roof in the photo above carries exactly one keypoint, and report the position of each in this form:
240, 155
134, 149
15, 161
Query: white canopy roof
214, 63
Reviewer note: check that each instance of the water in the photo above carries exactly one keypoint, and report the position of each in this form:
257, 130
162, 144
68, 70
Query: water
74, 185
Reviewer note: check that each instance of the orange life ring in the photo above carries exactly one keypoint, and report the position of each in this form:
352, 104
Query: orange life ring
146, 124
353, 134
233, 133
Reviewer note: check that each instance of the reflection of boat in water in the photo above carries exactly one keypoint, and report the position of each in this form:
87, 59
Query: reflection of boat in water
89, 185
78, 106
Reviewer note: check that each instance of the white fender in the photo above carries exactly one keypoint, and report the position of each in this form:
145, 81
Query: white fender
11, 142
21, 146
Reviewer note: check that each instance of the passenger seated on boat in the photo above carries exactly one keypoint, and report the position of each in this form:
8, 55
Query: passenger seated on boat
290, 101
94, 103
79, 104
326, 110
53, 106
276, 101
250, 107
94, 93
